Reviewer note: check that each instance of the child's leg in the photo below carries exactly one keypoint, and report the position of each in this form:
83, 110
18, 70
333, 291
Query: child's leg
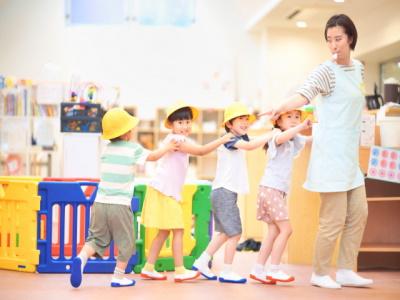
258, 272
285, 230
230, 249
122, 228
181, 274
156, 245
267, 243
201, 264
227, 275
148, 270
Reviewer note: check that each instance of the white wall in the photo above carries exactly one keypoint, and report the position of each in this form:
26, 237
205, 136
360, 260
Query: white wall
151, 65
289, 55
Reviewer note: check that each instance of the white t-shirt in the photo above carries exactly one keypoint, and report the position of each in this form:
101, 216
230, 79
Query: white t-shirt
231, 172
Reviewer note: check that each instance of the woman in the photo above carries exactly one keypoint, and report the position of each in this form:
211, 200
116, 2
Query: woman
333, 170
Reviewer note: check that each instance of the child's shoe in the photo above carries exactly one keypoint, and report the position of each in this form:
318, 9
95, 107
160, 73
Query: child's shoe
279, 276
231, 277
122, 282
324, 281
76, 272
204, 270
188, 275
261, 277
351, 278
153, 275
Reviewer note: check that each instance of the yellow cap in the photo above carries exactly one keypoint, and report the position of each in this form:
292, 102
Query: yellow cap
117, 122
237, 109
305, 111
178, 105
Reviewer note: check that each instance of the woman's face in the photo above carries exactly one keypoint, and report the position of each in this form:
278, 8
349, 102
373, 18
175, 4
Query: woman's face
339, 43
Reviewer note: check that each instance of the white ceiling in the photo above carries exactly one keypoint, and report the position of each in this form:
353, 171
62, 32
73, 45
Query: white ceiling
314, 12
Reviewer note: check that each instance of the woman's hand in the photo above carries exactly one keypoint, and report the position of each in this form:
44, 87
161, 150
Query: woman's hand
273, 114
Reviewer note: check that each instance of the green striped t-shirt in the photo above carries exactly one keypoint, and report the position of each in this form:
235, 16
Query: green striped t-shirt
117, 178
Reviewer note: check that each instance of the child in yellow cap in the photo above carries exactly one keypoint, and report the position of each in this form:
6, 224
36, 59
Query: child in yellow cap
111, 216
285, 144
231, 179
162, 208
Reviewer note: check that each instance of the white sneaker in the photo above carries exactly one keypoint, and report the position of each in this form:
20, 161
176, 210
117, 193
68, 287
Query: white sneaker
324, 281
188, 275
231, 277
154, 275
122, 282
351, 278
204, 270
279, 276
261, 277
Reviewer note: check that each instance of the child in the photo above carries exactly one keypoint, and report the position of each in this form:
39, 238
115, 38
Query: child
230, 180
111, 215
274, 185
162, 208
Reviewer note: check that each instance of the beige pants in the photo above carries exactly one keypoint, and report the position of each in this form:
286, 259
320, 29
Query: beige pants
345, 213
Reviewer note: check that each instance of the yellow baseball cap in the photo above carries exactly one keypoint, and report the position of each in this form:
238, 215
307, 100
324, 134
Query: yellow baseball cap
117, 122
237, 109
305, 111
178, 105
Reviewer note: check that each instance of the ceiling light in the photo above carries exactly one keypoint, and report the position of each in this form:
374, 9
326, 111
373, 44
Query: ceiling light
301, 24
339, 1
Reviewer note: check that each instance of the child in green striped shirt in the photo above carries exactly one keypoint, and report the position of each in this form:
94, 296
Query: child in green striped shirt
111, 215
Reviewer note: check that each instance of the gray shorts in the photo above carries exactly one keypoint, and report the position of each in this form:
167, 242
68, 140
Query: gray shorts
226, 212
112, 222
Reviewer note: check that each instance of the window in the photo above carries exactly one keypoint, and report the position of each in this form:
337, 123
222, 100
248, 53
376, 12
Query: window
180, 13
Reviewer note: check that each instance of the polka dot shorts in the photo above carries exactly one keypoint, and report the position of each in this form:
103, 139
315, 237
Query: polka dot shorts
271, 205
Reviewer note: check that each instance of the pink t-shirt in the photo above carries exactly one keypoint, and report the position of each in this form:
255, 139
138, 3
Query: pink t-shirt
171, 170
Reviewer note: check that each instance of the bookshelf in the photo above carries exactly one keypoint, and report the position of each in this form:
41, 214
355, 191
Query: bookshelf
27, 128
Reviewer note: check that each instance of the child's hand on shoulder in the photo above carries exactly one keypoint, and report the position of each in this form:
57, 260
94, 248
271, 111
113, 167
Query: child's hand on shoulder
307, 123
227, 137
173, 144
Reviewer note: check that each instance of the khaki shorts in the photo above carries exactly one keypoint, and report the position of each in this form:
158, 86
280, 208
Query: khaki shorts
112, 222
271, 205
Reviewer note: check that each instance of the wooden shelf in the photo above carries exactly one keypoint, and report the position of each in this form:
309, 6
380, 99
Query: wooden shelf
380, 247
375, 199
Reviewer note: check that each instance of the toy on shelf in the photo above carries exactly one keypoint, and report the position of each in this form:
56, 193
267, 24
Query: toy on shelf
82, 117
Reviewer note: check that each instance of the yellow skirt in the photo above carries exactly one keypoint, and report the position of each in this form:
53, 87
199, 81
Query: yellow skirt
160, 211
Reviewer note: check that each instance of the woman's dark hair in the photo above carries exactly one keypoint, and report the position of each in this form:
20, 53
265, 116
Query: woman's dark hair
184, 113
348, 25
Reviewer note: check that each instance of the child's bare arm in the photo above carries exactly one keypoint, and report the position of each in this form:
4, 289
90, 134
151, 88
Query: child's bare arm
287, 135
200, 150
290, 103
254, 143
157, 154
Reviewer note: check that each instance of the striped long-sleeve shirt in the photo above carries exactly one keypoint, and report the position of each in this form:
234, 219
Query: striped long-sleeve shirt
322, 81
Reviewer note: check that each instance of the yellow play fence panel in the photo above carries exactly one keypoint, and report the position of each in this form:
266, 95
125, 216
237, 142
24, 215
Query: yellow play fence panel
19, 204
188, 241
